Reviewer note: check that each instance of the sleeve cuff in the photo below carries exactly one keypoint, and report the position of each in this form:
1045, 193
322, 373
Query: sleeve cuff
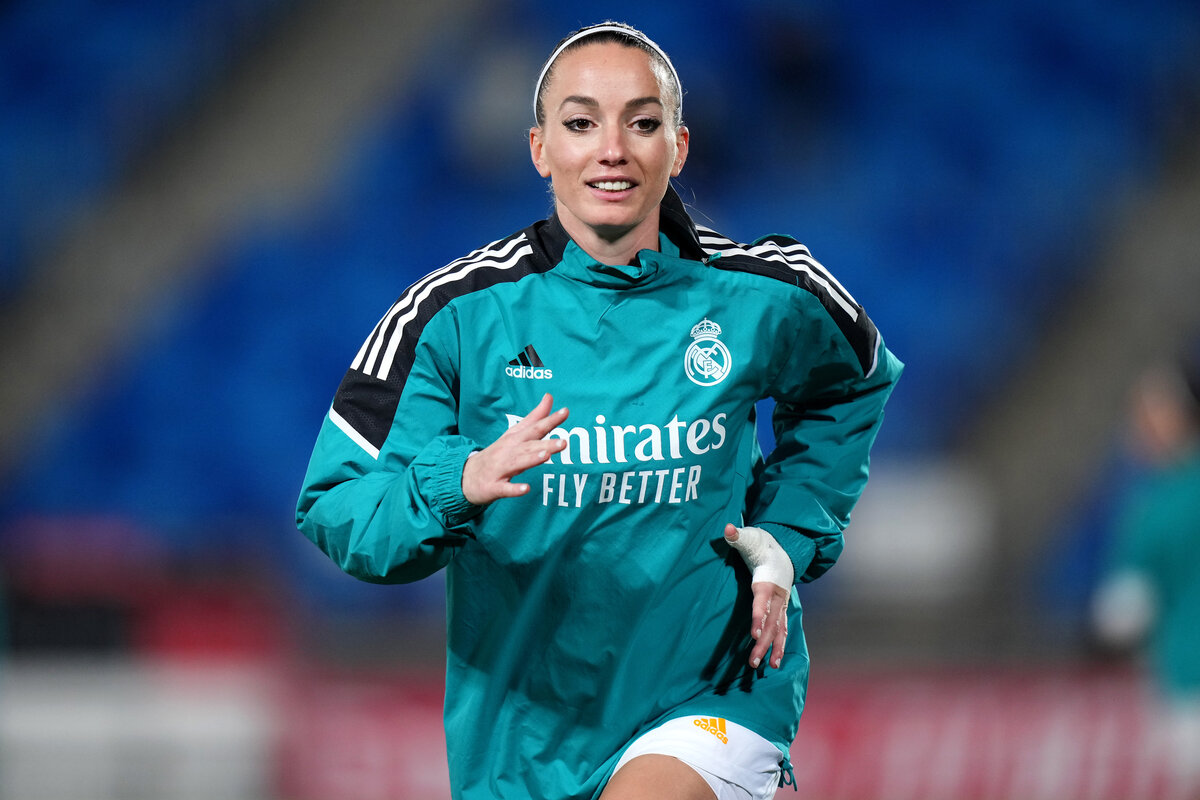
800, 549
447, 496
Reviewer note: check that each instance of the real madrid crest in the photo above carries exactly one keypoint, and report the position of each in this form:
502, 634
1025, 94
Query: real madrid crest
707, 360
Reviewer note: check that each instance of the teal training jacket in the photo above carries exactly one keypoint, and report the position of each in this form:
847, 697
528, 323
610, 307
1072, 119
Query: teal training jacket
1157, 537
605, 600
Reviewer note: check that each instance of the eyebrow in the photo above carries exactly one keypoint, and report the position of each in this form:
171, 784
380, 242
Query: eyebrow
594, 103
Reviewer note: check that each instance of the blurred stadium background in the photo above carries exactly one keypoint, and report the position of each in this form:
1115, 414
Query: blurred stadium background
206, 204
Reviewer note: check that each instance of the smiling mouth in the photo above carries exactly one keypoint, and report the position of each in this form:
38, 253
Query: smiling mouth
612, 186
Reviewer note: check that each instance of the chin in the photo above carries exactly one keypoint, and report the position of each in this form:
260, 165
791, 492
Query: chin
615, 221
614, 229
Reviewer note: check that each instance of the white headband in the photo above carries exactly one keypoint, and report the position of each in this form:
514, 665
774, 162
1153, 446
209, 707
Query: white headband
621, 29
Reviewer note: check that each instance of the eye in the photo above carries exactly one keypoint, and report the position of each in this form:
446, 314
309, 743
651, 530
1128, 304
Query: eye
647, 124
577, 124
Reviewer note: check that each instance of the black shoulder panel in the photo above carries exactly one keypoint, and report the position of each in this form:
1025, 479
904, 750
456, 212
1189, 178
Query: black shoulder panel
782, 258
370, 391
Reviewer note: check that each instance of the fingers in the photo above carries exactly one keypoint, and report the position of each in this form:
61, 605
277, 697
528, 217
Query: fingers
731, 533
525, 445
487, 474
520, 456
768, 625
538, 423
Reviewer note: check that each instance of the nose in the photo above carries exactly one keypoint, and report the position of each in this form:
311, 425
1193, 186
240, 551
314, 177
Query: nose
612, 146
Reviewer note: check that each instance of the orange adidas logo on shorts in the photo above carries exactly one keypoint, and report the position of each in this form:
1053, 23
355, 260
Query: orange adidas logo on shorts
714, 725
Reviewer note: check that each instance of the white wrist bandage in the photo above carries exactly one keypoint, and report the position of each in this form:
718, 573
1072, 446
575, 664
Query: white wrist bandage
765, 558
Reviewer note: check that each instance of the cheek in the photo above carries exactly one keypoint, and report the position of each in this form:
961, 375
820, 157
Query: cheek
559, 158
668, 159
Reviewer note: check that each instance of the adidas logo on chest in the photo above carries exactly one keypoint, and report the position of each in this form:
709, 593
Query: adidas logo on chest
528, 365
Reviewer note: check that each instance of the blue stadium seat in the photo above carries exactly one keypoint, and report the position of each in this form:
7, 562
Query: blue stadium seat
947, 166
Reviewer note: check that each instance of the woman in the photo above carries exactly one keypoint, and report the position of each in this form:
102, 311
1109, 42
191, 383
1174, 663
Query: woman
618, 581
1149, 595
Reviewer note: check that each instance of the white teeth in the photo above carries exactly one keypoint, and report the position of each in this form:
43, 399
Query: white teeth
613, 186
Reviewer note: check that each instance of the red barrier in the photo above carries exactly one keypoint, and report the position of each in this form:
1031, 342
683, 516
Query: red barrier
936, 735
355, 738
983, 736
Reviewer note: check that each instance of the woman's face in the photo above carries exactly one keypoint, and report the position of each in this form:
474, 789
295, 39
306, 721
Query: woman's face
1163, 427
608, 144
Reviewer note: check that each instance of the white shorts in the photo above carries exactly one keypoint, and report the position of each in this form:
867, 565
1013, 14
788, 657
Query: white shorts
735, 761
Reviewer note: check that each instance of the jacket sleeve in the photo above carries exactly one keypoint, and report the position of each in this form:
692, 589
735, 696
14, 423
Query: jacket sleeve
383, 493
829, 393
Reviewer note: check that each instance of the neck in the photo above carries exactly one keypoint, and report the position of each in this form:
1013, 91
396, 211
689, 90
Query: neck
613, 246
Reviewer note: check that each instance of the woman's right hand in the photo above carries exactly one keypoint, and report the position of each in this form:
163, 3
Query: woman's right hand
487, 475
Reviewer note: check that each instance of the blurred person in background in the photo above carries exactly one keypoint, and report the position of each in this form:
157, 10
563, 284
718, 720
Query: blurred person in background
1150, 594
619, 616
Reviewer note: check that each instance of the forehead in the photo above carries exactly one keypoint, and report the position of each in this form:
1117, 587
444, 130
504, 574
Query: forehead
604, 65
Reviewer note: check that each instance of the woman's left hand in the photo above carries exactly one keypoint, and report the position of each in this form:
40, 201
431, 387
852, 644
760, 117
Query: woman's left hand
771, 582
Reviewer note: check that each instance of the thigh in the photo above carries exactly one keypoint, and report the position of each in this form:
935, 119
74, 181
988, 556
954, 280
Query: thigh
697, 757
657, 777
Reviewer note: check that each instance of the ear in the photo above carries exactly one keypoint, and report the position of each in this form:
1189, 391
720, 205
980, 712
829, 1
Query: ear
537, 152
682, 137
